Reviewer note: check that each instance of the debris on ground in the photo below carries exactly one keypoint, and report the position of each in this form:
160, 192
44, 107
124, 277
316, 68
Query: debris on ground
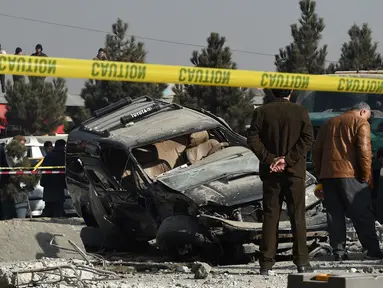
23, 240
74, 267
65, 273
183, 269
201, 270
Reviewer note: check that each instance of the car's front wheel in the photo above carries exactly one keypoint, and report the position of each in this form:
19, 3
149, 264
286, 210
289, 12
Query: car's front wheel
182, 237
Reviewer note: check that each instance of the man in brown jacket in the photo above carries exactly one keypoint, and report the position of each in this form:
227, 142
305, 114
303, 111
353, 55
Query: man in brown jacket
280, 135
342, 163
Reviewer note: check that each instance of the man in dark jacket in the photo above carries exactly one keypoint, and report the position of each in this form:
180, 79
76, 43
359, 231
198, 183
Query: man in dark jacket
101, 56
2, 76
48, 147
280, 135
18, 51
342, 162
54, 184
39, 51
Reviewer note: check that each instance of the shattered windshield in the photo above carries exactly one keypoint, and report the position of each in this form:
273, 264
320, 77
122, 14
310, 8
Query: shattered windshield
322, 101
231, 161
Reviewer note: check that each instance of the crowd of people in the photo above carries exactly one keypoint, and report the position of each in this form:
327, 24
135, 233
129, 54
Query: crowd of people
18, 51
280, 135
101, 55
54, 184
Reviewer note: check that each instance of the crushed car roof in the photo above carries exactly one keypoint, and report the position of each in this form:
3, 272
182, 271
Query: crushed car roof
169, 120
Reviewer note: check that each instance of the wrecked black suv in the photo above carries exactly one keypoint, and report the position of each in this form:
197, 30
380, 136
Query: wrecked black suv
148, 169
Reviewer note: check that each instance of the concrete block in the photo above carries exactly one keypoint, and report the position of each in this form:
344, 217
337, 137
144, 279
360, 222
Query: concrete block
23, 240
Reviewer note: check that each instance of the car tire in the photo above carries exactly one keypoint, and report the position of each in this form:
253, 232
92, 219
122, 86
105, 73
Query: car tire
88, 217
178, 231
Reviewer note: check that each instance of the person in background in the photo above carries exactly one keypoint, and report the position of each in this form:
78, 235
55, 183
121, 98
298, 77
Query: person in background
39, 51
7, 202
101, 55
21, 139
54, 184
48, 147
18, 51
3, 181
342, 159
2, 76
280, 135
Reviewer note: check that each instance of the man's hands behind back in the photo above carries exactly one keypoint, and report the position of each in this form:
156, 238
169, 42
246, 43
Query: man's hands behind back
278, 165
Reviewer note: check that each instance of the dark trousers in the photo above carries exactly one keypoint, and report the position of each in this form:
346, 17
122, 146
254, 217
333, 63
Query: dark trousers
8, 210
351, 198
2, 82
376, 180
54, 209
276, 190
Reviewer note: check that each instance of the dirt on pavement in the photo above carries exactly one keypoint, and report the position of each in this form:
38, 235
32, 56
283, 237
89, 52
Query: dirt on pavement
78, 273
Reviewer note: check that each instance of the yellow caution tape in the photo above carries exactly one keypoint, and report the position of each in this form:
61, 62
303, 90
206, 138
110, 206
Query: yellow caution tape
124, 71
32, 168
38, 164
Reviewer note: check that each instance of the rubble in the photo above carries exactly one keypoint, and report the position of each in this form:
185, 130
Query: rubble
183, 269
64, 273
81, 269
201, 270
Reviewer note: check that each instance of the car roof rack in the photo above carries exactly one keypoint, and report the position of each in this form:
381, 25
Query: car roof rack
101, 133
119, 104
112, 107
155, 108
151, 107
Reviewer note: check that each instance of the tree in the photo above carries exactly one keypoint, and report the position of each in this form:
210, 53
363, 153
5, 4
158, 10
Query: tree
232, 104
359, 53
119, 47
304, 55
37, 106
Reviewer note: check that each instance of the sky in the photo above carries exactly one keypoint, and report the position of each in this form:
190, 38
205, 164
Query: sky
257, 26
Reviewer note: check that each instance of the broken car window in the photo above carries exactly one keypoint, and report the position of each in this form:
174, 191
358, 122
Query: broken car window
100, 181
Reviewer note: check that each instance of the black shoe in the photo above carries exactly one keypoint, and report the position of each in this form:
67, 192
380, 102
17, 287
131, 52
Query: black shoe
343, 257
264, 271
305, 268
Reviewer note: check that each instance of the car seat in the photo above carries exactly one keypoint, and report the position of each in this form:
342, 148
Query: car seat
148, 158
199, 146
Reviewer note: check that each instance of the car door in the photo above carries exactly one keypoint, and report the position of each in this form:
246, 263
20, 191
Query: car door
114, 183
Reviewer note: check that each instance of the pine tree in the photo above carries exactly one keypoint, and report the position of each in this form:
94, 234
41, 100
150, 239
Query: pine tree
119, 47
304, 55
231, 104
37, 106
359, 53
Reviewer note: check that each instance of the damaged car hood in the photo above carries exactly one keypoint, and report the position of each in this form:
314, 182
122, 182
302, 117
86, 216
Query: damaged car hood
228, 177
